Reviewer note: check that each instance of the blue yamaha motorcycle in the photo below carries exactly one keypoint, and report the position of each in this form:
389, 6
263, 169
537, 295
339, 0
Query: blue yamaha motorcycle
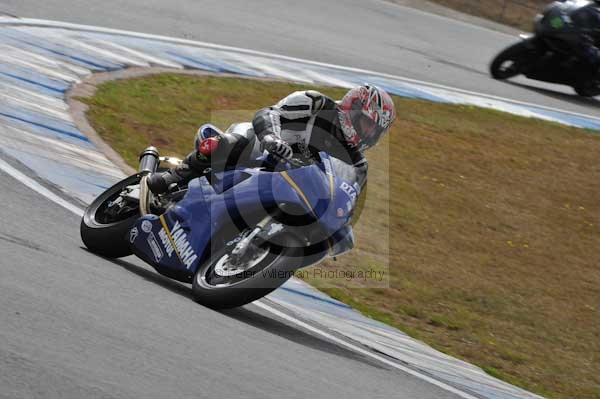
235, 234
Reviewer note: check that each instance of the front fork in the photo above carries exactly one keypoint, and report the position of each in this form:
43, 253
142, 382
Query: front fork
242, 246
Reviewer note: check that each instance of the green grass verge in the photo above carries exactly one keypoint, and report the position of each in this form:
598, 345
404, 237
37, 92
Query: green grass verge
493, 223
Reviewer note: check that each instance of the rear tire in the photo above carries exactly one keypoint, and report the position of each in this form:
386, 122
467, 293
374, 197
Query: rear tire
269, 274
588, 89
509, 63
108, 239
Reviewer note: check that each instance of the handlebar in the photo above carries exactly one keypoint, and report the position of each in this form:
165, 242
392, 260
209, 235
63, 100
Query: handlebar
294, 162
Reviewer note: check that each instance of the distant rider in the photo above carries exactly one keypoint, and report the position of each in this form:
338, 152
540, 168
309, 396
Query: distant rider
586, 41
304, 122
590, 41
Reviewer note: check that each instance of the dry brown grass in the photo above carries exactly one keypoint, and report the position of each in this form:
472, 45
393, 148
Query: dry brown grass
494, 224
517, 13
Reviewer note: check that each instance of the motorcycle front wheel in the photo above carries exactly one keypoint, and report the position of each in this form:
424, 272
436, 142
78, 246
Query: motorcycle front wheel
511, 61
220, 285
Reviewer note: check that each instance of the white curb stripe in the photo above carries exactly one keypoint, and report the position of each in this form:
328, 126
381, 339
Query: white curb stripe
149, 58
63, 115
44, 70
47, 101
59, 151
76, 44
268, 69
328, 80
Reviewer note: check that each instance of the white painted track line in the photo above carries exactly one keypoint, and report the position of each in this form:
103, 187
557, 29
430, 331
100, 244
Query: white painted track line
37, 187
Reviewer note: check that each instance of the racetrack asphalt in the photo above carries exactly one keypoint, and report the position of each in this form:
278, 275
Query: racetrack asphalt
74, 325
370, 34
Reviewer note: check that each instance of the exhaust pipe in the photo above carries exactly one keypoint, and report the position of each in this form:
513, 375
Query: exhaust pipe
149, 159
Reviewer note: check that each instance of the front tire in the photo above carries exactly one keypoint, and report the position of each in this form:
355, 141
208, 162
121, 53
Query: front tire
221, 292
104, 236
511, 61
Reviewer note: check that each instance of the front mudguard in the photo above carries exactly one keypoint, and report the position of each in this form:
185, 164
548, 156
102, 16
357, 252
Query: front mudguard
304, 254
307, 254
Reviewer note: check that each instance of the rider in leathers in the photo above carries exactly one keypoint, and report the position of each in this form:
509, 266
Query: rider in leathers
590, 41
586, 37
304, 122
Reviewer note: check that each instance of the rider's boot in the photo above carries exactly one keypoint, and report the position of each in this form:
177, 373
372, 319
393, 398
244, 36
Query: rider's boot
162, 182
194, 165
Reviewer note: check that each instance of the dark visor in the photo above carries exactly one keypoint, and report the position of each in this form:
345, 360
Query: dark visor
366, 128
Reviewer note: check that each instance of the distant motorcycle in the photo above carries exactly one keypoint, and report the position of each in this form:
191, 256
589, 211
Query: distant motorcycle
235, 234
548, 54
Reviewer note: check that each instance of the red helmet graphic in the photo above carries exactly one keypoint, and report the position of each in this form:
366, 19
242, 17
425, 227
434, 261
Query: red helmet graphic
366, 114
208, 146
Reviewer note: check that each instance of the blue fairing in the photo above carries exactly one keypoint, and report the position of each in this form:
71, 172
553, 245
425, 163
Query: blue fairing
178, 242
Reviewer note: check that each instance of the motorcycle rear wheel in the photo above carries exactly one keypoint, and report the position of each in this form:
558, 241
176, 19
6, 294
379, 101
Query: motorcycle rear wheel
588, 89
509, 63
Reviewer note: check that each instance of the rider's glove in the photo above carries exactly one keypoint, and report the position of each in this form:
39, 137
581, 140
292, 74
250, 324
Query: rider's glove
277, 146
